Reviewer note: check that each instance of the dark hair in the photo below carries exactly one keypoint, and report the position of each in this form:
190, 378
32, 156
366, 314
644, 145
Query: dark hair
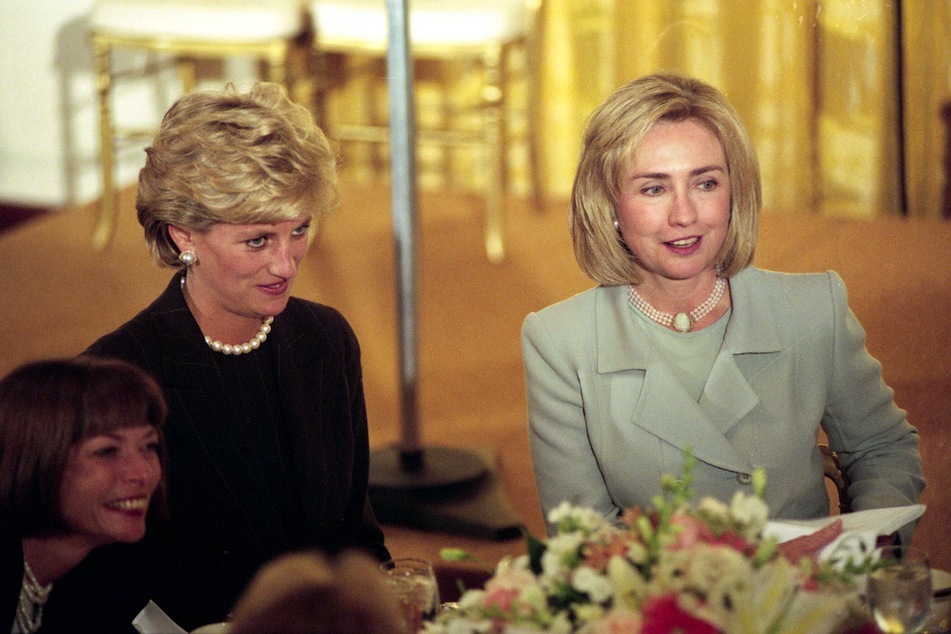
46, 408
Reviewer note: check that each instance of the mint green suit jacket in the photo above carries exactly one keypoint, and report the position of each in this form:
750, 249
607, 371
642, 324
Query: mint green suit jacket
608, 418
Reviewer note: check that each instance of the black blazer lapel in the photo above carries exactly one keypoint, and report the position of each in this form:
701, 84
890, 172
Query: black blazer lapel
316, 396
204, 444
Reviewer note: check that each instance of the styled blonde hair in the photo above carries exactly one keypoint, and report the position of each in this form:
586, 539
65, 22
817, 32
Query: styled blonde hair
236, 158
613, 135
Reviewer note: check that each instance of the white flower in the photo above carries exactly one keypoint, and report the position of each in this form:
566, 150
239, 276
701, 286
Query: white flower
750, 511
587, 612
616, 621
522, 561
765, 599
714, 509
534, 596
596, 577
629, 585
571, 518
720, 573
592, 583
466, 627
561, 554
559, 512
458, 626
712, 566
560, 625
472, 599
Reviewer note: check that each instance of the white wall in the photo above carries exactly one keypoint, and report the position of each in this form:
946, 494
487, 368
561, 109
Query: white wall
49, 125
48, 141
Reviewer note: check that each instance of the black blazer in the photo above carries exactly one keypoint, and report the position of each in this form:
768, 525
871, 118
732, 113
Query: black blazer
11, 573
223, 522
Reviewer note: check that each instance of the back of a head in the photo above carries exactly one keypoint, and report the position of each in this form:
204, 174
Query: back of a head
307, 593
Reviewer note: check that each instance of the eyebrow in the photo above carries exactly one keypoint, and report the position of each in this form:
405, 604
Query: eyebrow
268, 228
116, 435
694, 172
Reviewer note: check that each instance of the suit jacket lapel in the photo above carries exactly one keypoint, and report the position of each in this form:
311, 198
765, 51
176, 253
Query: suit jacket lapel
727, 396
664, 408
316, 403
302, 399
208, 412
667, 411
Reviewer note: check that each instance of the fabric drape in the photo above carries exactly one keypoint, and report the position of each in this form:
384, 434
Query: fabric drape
817, 83
843, 98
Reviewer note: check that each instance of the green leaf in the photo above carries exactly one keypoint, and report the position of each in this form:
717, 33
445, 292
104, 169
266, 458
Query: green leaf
536, 548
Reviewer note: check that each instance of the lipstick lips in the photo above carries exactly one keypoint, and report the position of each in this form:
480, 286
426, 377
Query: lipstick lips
275, 289
684, 246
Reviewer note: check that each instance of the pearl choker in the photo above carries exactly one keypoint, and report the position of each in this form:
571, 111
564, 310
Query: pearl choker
682, 322
242, 348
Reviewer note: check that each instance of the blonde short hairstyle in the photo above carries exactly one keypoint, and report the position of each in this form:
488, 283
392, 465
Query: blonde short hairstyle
613, 135
236, 158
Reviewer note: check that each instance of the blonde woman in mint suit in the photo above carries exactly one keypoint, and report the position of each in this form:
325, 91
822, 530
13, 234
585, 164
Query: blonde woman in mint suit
683, 345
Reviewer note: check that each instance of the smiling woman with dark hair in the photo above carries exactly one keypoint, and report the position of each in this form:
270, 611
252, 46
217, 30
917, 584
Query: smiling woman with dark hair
79, 466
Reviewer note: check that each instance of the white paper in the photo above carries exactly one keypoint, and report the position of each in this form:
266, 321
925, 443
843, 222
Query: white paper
860, 530
152, 620
881, 521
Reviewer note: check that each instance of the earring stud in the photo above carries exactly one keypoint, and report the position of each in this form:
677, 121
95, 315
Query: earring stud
188, 257
617, 225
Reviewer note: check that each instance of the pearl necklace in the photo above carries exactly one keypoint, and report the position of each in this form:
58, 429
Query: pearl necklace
242, 348
33, 597
682, 322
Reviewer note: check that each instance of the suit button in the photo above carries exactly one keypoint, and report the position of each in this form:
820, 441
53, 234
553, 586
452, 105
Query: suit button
744, 478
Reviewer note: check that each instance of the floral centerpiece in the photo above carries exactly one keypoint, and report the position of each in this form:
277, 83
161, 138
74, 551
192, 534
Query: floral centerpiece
679, 567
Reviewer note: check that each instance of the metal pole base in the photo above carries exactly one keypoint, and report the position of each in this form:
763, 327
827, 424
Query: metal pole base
425, 468
442, 489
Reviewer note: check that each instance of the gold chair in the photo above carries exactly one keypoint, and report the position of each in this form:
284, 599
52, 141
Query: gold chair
483, 33
275, 32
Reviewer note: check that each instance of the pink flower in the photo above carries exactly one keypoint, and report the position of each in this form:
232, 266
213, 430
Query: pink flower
619, 621
662, 615
598, 554
733, 540
504, 588
501, 598
692, 531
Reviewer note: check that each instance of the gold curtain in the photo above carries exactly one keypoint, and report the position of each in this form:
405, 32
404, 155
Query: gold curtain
838, 129
816, 82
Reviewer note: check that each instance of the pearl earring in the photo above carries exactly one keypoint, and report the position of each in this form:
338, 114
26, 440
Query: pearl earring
617, 225
188, 257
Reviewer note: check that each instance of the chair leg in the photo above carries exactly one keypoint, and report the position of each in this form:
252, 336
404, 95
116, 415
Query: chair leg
108, 208
492, 133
